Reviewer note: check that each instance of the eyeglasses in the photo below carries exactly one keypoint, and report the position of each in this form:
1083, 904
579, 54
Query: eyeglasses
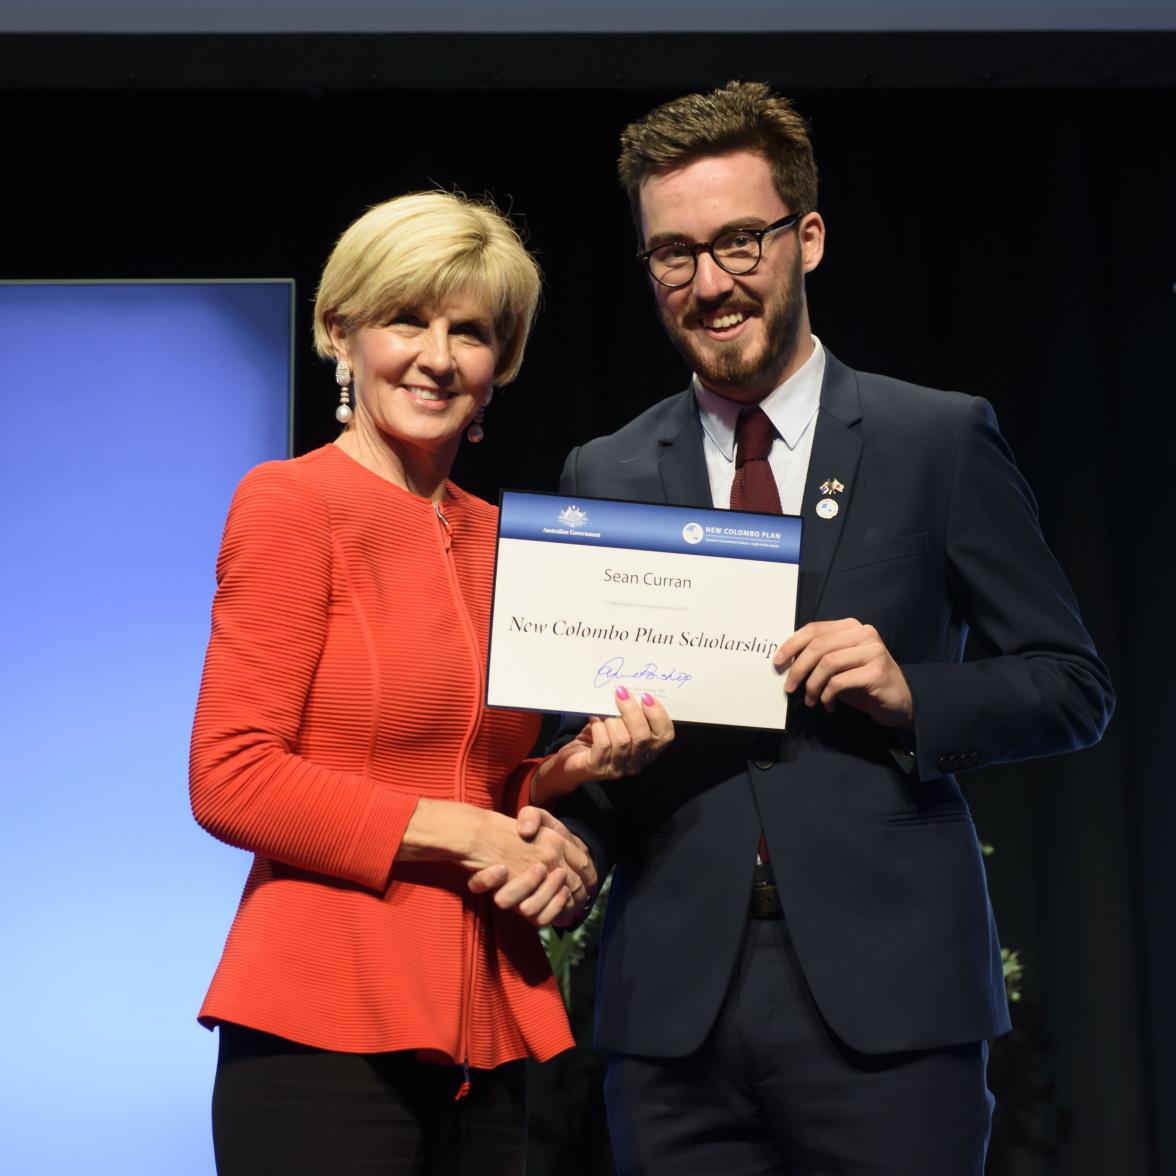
738, 251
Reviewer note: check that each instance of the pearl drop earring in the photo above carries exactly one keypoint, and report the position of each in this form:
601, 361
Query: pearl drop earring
343, 413
475, 434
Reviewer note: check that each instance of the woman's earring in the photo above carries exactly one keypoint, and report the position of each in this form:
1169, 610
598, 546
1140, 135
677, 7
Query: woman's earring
475, 434
343, 413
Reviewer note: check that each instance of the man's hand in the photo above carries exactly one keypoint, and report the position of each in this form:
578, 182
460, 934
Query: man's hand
846, 661
540, 868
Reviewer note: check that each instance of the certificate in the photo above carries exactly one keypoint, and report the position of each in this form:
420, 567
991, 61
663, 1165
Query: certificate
685, 603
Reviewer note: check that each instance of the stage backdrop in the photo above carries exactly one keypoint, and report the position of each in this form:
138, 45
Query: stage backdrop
127, 414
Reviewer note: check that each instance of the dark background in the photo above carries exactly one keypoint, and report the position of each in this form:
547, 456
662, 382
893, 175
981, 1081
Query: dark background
1002, 220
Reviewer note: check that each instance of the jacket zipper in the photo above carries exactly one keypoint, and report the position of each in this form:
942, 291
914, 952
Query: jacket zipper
472, 934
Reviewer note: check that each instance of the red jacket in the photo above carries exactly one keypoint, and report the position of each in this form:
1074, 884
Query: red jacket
344, 680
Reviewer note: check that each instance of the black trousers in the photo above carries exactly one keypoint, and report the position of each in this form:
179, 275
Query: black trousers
292, 1110
773, 1092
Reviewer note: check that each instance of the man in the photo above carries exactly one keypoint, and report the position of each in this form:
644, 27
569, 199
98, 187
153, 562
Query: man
799, 970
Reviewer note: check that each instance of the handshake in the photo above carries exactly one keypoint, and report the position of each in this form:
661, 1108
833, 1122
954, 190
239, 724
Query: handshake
540, 869
534, 864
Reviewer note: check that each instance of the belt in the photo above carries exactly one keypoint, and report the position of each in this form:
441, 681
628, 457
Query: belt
765, 901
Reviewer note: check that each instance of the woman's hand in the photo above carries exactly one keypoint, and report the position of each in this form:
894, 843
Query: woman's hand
533, 864
606, 748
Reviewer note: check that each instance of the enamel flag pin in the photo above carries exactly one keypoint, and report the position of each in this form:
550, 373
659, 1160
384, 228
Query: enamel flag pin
828, 507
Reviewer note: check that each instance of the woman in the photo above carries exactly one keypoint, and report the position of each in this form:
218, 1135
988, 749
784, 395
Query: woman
383, 962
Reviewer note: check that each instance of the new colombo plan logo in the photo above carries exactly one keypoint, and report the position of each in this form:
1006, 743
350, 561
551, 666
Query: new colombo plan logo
573, 516
692, 532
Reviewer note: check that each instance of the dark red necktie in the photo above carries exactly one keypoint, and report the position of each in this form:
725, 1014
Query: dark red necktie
754, 487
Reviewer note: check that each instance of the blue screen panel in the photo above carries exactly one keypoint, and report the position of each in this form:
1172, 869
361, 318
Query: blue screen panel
127, 415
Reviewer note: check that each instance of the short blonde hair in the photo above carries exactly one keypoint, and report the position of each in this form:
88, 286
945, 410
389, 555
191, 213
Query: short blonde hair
425, 247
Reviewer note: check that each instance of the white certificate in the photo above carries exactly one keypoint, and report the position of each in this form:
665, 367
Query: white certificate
685, 603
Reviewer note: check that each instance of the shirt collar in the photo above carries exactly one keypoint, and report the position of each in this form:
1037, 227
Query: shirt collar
790, 407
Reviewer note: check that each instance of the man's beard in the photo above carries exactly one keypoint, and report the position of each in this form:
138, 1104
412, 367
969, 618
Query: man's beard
727, 365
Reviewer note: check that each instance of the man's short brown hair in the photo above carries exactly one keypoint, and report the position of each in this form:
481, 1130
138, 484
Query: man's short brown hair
740, 116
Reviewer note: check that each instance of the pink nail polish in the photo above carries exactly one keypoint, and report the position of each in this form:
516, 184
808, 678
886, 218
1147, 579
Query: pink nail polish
622, 693
647, 699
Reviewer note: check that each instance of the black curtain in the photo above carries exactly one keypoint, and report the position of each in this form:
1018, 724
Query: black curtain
1015, 243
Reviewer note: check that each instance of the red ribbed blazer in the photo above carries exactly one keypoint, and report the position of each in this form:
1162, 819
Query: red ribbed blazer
344, 680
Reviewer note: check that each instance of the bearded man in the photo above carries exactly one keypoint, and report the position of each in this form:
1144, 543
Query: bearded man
800, 971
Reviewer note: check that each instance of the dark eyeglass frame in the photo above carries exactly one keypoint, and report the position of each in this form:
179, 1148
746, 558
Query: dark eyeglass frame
785, 222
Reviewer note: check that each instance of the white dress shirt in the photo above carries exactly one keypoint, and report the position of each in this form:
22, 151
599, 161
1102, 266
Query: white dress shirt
792, 409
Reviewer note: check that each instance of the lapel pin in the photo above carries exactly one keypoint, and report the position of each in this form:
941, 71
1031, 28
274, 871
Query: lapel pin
827, 508
831, 486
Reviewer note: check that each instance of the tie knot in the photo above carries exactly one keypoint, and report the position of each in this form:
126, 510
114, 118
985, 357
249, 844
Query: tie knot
754, 435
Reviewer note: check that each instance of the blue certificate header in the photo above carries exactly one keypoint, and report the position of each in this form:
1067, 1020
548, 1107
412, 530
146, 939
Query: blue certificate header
642, 526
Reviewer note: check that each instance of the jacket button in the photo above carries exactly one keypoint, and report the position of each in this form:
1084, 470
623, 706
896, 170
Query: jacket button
764, 765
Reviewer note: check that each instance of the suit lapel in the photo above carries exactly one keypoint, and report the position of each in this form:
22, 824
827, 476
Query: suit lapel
682, 464
837, 449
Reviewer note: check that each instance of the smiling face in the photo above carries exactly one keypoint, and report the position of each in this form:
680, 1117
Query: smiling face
421, 376
743, 334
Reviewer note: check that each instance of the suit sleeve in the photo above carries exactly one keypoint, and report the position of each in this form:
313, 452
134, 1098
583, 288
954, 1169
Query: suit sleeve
1041, 689
248, 784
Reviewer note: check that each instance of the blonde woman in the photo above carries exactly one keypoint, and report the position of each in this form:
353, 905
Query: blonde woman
383, 979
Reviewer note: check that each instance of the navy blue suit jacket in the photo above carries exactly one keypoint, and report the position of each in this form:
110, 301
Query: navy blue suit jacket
872, 844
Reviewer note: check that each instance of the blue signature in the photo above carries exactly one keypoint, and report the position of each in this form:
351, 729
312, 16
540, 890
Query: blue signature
615, 666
